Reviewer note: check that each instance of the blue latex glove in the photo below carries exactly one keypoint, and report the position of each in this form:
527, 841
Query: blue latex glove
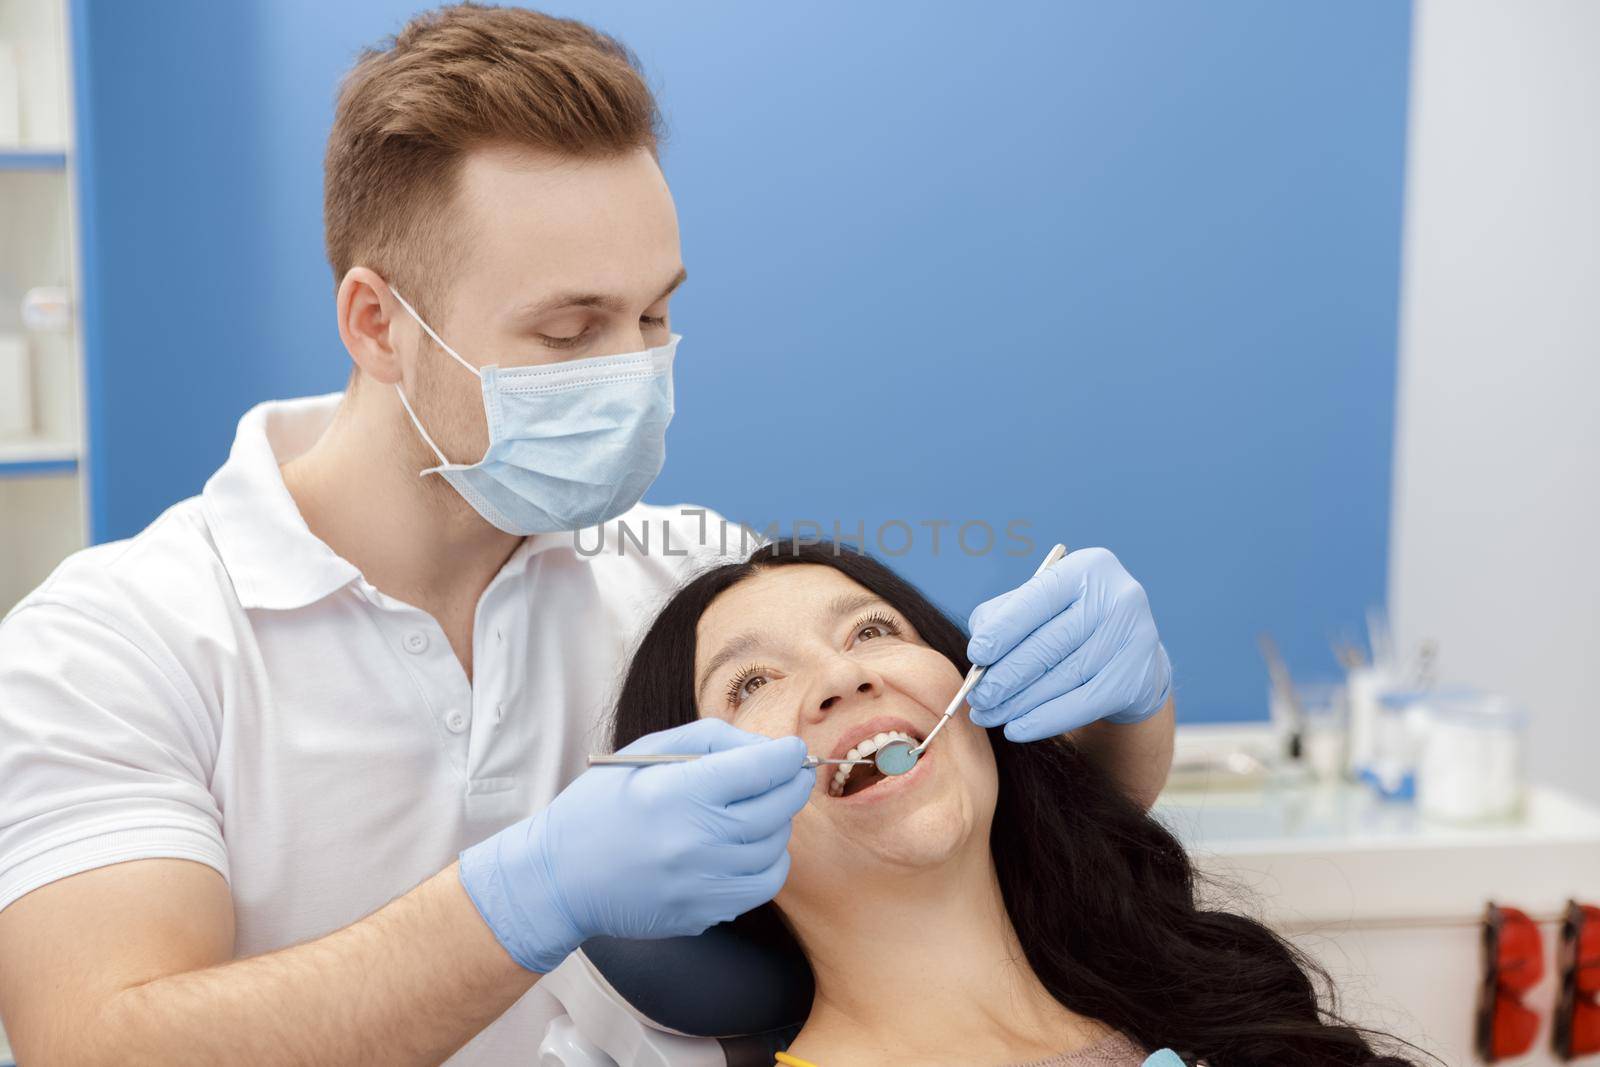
643, 852
1074, 645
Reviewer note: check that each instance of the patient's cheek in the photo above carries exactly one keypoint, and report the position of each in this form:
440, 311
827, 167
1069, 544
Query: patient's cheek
766, 717
930, 678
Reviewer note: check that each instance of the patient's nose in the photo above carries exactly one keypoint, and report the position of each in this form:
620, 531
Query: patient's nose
829, 701
840, 681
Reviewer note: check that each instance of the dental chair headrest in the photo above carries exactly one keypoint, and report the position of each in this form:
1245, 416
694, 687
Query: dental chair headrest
738, 979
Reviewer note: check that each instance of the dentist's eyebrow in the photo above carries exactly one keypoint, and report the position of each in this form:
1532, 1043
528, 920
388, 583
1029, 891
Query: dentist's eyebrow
601, 301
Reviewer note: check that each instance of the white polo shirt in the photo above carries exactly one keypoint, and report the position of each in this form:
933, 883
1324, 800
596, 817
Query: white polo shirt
224, 688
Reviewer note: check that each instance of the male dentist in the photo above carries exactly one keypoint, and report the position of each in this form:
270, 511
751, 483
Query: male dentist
296, 774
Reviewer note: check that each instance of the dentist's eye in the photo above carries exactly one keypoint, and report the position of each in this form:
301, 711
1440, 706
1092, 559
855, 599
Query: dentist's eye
652, 322
563, 342
875, 625
745, 683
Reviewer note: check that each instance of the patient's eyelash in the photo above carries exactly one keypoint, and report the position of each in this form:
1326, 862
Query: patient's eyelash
876, 618
746, 674
743, 675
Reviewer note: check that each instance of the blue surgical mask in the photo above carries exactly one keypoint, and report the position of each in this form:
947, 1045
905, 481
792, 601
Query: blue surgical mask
570, 444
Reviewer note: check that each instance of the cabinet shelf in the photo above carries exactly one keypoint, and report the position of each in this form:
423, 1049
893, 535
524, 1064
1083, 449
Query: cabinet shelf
35, 459
32, 159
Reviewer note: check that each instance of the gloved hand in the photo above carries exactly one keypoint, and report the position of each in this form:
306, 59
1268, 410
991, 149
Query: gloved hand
1073, 645
643, 852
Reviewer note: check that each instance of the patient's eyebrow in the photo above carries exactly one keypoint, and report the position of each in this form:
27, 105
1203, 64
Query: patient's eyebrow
742, 645
849, 603
745, 643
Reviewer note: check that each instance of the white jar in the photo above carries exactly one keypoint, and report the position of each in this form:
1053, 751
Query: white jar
1471, 765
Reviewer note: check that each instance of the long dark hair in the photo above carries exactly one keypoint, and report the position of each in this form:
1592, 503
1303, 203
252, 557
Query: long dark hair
1102, 896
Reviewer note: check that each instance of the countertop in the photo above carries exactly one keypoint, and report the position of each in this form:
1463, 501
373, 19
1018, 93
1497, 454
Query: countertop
1315, 853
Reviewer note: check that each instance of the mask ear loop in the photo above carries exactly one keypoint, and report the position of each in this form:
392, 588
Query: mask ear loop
418, 424
443, 461
429, 331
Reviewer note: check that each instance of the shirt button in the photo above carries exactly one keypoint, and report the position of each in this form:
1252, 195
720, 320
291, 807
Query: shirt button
456, 721
416, 642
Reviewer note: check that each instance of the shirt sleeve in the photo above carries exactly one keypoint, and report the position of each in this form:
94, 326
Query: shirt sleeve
106, 751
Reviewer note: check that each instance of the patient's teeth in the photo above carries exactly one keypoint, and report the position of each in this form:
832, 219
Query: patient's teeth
864, 750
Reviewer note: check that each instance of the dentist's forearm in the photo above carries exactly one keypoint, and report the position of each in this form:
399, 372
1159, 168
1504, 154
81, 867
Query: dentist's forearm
409, 984
1137, 755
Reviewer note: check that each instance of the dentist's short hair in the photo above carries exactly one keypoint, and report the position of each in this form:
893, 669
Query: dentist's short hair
455, 78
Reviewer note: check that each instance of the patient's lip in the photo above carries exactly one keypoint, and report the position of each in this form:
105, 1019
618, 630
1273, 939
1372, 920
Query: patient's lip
886, 789
878, 724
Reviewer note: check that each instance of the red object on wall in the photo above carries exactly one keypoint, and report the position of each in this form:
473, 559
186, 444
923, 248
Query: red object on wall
1513, 958
1577, 1022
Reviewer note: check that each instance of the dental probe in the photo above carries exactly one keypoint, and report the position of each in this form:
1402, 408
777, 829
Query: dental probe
681, 757
973, 677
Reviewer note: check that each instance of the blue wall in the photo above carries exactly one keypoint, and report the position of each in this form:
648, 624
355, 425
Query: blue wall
1125, 272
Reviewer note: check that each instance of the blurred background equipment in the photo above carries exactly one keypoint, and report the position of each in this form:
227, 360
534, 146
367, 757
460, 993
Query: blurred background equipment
1513, 963
43, 514
1577, 1020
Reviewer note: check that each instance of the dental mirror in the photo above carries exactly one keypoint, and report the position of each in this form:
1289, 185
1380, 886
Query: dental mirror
894, 758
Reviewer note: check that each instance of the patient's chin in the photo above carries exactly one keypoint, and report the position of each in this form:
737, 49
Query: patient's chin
925, 834
928, 837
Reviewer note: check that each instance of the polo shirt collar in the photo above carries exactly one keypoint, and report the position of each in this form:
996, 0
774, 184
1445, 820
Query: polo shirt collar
272, 557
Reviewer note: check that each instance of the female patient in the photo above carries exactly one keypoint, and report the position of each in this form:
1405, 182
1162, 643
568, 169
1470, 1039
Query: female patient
1000, 903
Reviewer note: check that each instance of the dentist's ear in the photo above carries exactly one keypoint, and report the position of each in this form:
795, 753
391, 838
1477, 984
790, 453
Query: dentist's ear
371, 324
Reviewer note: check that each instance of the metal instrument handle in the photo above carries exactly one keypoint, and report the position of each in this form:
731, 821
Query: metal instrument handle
643, 760
976, 673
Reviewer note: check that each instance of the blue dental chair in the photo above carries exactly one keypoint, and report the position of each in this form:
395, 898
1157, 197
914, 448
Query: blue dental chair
730, 997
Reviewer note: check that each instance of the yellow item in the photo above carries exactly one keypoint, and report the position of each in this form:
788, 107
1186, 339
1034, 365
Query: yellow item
793, 1061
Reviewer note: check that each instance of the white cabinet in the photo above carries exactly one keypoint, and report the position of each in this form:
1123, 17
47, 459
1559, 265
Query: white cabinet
42, 499
1391, 903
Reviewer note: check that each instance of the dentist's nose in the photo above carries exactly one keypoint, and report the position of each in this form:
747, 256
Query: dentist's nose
631, 340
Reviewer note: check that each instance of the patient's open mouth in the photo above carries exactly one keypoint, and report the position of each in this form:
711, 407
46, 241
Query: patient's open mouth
851, 779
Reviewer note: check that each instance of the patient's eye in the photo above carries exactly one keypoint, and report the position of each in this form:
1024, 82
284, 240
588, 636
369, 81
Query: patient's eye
875, 625
745, 683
